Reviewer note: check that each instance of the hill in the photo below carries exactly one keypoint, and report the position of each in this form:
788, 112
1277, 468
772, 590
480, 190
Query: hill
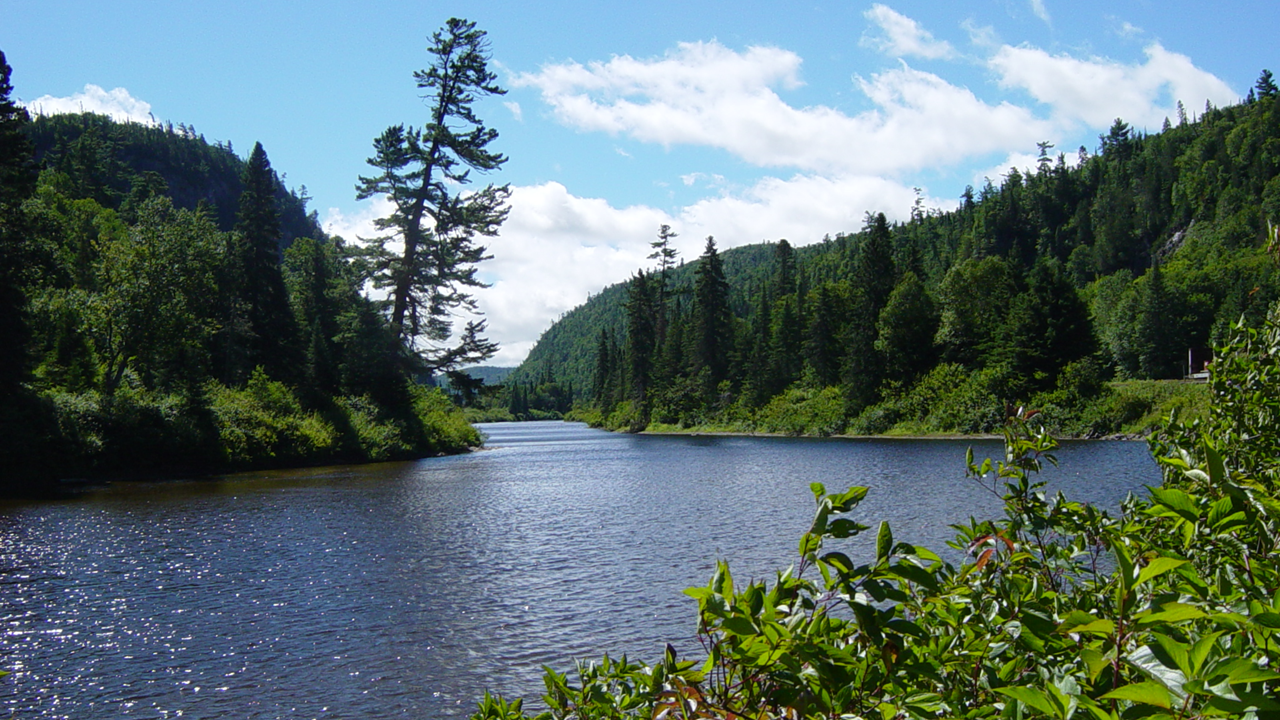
116, 164
1110, 264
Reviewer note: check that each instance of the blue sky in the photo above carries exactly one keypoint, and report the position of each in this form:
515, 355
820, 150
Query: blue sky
748, 121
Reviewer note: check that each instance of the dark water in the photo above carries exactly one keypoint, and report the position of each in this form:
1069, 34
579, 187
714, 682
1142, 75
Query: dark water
405, 590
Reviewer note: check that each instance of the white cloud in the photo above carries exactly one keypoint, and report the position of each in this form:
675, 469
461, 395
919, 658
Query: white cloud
1096, 91
984, 36
117, 103
517, 112
358, 225
556, 249
1037, 7
1128, 29
903, 36
706, 94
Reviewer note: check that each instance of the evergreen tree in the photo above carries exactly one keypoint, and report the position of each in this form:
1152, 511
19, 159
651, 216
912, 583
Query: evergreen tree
713, 321
874, 277
316, 292
270, 323
784, 261
604, 370
17, 183
873, 269
1158, 354
1046, 328
786, 343
1266, 85
822, 349
422, 172
642, 334
665, 255
905, 331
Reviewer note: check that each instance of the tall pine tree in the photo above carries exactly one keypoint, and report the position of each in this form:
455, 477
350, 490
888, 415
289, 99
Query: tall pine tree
713, 321
272, 340
433, 220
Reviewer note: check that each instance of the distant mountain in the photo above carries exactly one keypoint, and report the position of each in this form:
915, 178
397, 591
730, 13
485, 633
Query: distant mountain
490, 374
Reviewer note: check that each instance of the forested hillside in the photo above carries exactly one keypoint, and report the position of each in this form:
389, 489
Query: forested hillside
1110, 263
170, 306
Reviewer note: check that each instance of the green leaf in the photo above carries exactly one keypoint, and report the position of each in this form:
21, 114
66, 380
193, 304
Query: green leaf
1177, 501
738, 625
1173, 613
1200, 651
1124, 563
1037, 699
1079, 621
1268, 620
838, 560
884, 541
1173, 654
809, 543
1095, 661
916, 574
1157, 567
1148, 661
818, 490
1147, 693
1217, 469
844, 528
847, 500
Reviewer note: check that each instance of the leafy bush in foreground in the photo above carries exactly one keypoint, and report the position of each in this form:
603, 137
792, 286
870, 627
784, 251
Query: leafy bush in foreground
1168, 610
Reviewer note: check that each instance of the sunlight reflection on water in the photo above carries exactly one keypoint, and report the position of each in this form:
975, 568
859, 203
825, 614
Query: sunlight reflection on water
407, 589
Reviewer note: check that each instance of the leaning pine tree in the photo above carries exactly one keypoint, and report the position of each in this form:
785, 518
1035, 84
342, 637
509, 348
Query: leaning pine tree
428, 254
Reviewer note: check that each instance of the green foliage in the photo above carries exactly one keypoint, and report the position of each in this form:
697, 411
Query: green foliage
1058, 609
1148, 248
803, 411
265, 421
422, 171
136, 317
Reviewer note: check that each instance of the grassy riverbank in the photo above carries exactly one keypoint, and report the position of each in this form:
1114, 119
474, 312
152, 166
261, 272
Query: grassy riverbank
1127, 409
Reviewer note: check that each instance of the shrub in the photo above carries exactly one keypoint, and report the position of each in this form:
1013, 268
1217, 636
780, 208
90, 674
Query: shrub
265, 423
1168, 609
803, 411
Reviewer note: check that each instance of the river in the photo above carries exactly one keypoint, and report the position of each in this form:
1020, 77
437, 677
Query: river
404, 590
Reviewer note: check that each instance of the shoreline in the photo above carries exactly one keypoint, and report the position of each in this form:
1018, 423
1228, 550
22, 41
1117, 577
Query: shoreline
694, 432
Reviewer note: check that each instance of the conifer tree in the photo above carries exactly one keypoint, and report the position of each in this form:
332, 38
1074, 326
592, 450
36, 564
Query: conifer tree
1266, 85
17, 182
712, 318
642, 334
272, 331
434, 221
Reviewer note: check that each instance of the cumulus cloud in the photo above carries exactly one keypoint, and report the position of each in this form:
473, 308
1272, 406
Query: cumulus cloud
556, 249
1095, 91
517, 112
117, 103
901, 36
706, 94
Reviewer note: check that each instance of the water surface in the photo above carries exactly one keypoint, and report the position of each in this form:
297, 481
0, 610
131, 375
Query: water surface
404, 590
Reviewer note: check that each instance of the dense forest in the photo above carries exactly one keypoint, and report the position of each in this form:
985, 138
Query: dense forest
169, 306
1110, 264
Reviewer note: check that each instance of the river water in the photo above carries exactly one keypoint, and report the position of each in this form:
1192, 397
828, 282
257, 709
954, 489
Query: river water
404, 590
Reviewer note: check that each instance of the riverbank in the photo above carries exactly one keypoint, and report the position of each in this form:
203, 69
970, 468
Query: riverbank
1122, 410
50, 442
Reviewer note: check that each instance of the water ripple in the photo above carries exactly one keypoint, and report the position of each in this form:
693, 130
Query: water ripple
404, 590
